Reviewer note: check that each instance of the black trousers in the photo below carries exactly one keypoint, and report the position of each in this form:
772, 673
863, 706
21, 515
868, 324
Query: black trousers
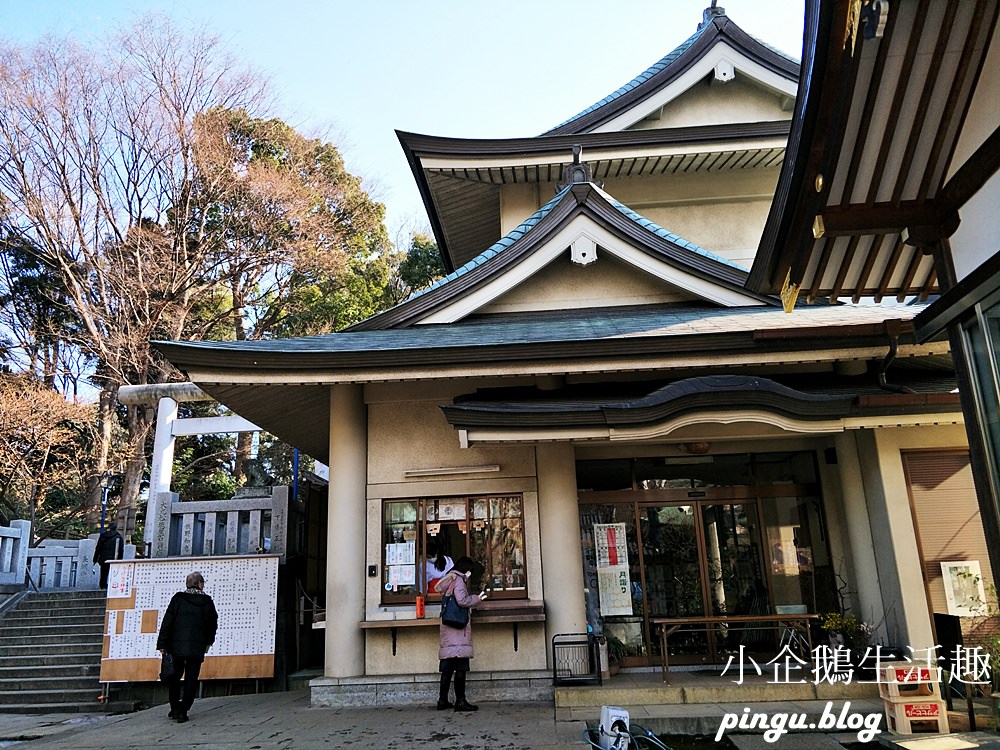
105, 569
189, 667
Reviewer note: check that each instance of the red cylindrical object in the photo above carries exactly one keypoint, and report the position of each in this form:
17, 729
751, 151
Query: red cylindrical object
420, 606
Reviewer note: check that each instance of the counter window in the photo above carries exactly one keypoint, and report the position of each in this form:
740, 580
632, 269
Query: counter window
489, 529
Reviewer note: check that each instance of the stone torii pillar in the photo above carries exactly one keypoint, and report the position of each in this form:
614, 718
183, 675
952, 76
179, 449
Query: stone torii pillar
168, 427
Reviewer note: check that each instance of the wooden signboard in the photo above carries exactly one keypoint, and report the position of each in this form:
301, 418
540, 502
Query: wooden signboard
244, 589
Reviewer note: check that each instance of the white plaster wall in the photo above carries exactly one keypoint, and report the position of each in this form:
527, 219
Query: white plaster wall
563, 285
728, 229
982, 117
415, 435
978, 236
417, 648
518, 202
714, 103
975, 241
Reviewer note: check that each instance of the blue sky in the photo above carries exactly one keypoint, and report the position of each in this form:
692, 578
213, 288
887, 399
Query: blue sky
357, 71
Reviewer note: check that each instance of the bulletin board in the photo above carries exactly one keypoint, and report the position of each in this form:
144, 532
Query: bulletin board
244, 589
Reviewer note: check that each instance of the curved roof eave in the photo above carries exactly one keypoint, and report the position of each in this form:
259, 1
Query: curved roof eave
698, 393
671, 66
418, 147
701, 395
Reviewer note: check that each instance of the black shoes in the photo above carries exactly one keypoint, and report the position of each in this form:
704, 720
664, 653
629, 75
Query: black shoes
464, 705
181, 718
444, 705
172, 714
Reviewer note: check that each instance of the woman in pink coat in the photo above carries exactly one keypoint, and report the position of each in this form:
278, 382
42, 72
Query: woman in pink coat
456, 644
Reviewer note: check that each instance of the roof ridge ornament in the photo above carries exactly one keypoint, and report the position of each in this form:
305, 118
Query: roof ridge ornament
868, 16
577, 172
710, 14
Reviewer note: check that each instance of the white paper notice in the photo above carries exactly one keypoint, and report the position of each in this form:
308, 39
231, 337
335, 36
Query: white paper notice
613, 581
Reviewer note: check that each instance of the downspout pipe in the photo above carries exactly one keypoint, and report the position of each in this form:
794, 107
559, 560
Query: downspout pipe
892, 330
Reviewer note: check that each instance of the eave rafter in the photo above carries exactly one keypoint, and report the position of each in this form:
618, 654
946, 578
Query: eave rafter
865, 205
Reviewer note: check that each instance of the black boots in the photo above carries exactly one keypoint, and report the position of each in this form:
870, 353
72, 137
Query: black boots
460, 703
443, 702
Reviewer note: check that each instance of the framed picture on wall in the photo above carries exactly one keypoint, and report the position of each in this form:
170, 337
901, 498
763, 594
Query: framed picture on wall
963, 587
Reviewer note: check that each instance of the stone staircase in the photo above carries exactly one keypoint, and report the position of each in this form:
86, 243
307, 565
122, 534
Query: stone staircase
50, 653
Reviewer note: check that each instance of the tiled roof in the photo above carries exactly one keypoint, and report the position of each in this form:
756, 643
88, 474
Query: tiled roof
644, 76
559, 327
661, 65
497, 247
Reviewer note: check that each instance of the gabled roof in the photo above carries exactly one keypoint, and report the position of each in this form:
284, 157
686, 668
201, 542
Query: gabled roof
716, 28
460, 178
871, 182
539, 232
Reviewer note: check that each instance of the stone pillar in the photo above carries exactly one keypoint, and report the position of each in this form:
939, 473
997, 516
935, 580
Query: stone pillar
17, 549
864, 572
161, 467
559, 530
158, 522
894, 540
346, 525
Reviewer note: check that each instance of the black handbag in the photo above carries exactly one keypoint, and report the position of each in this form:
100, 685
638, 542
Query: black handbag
167, 667
453, 614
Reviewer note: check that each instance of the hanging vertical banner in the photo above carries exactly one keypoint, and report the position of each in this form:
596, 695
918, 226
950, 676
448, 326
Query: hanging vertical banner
613, 580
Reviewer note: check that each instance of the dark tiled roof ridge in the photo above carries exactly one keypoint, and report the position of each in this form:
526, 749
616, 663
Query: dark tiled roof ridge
644, 76
497, 247
661, 64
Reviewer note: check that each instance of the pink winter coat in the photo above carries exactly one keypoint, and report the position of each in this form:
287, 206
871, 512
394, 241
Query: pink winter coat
456, 643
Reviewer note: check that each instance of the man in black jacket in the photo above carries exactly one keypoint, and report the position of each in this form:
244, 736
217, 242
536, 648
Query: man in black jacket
110, 546
187, 630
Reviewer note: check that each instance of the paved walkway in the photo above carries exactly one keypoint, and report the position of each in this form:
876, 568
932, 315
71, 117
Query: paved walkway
285, 720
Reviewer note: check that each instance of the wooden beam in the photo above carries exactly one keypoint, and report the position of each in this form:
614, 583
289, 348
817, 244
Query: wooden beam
889, 218
973, 174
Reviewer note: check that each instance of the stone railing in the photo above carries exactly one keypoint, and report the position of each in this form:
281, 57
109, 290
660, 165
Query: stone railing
54, 564
251, 523
14, 540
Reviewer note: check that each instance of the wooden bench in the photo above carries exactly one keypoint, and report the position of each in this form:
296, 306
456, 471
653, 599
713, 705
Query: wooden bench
798, 623
489, 612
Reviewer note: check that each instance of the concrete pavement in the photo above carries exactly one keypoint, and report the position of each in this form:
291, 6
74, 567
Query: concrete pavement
285, 720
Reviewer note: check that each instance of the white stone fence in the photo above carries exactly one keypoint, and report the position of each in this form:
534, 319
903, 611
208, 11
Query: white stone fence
14, 541
55, 564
